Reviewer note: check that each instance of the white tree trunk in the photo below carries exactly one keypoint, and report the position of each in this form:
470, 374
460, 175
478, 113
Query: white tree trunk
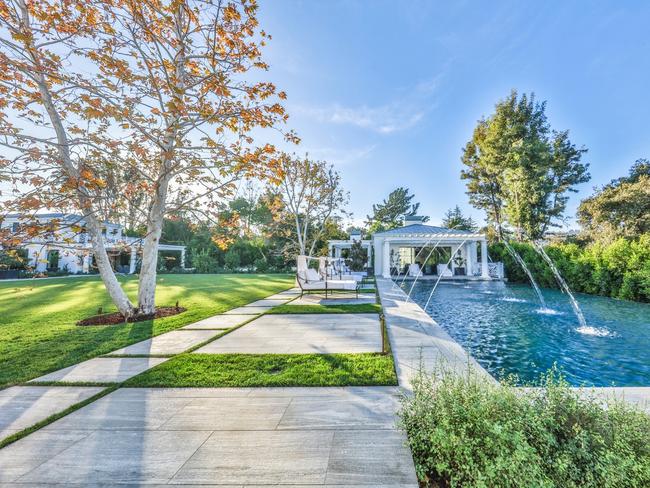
106, 272
148, 270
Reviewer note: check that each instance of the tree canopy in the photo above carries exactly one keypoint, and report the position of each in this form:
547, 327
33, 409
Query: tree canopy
619, 209
454, 219
310, 196
131, 108
519, 170
389, 213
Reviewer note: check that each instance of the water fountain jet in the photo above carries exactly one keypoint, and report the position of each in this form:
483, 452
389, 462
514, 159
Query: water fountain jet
563, 284
440, 277
522, 263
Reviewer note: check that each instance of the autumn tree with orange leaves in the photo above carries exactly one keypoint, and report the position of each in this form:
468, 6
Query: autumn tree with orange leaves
111, 105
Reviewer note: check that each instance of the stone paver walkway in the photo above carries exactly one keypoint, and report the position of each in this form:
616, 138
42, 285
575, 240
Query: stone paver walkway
246, 310
302, 333
23, 406
102, 370
219, 322
226, 436
174, 342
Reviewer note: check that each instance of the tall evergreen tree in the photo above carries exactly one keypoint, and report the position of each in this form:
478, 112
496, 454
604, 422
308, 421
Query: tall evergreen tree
454, 219
389, 213
519, 170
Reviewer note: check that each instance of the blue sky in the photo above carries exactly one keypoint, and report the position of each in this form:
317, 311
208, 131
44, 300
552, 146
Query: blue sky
390, 91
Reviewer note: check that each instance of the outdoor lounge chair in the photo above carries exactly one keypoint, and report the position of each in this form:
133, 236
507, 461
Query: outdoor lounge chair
330, 269
309, 280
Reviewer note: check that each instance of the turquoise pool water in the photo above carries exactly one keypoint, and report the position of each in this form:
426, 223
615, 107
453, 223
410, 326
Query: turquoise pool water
502, 327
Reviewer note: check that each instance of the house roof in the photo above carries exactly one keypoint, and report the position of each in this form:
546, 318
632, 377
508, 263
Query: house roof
423, 230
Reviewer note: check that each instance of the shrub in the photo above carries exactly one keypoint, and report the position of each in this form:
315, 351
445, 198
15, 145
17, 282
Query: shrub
13, 258
232, 259
204, 262
618, 270
468, 431
261, 265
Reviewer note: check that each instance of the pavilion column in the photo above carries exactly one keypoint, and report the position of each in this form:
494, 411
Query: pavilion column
134, 255
183, 258
385, 261
469, 260
85, 264
485, 273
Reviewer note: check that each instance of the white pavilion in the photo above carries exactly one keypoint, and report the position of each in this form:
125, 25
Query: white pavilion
426, 251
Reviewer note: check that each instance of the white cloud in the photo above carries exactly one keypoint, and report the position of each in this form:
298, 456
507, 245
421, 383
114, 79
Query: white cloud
397, 115
385, 119
339, 156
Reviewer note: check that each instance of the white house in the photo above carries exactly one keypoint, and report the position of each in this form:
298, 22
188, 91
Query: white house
68, 245
336, 247
430, 249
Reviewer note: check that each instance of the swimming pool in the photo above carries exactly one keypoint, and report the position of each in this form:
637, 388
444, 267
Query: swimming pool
501, 326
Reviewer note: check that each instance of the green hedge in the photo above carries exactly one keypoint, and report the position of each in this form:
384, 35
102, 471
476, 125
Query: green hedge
618, 270
465, 431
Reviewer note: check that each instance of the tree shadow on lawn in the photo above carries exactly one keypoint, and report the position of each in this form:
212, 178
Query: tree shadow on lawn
68, 347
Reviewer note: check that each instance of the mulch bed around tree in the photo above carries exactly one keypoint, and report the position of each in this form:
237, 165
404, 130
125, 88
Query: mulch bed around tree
117, 318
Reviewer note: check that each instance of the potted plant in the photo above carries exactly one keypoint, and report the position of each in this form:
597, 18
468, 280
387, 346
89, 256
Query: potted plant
459, 269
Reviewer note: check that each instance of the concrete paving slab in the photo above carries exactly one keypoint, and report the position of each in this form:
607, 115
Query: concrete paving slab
246, 310
103, 370
219, 322
341, 413
113, 457
280, 296
229, 414
265, 457
250, 436
122, 413
28, 453
174, 342
370, 458
302, 333
24, 406
268, 302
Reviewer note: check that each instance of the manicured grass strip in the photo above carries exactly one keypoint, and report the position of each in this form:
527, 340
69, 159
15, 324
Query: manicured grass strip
352, 308
248, 370
38, 334
39, 425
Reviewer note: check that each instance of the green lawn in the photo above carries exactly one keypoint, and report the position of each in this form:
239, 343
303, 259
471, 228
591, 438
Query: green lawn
351, 308
248, 370
37, 324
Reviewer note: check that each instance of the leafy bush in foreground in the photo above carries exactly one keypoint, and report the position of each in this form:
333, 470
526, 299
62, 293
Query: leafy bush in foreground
470, 432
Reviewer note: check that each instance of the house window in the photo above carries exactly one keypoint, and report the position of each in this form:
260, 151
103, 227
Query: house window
53, 260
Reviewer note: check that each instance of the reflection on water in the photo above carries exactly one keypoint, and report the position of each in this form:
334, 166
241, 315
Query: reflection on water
503, 327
